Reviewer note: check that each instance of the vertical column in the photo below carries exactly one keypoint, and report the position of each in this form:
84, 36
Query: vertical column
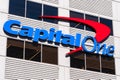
3, 17
64, 73
4, 6
3, 42
116, 30
116, 10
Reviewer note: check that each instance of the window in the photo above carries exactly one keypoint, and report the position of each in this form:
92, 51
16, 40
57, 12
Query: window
108, 23
108, 65
77, 60
17, 7
50, 54
50, 11
34, 10
90, 17
15, 48
32, 51
92, 62
75, 24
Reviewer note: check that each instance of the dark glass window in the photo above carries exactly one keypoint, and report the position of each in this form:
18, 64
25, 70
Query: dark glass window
50, 54
15, 48
32, 51
90, 17
108, 65
34, 10
76, 15
50, 11
17, 7
108, 23
77, 60
92, 62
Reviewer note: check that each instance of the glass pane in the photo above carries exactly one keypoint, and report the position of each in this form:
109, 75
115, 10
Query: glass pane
32, 51
17, 7
34, 10
77, 60
92, 62
108, 65
90, 17
15, 48
50, 11
75, 24
108, 23
50, 54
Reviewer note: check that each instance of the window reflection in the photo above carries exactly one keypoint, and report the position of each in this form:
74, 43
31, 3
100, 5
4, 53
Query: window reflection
92, 62
108, 65
32, 51
50, 11
108, 23
77, 60
15, 48
34, 10
90, 17
75, 24
50, 54
17, 7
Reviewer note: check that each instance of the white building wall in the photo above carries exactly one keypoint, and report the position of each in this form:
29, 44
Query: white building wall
116, 29
3, 17
116, 24
4, 5
64, 73
2, 68
116, 10
117, 0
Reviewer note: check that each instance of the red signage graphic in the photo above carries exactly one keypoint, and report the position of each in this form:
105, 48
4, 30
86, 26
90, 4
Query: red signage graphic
102, 31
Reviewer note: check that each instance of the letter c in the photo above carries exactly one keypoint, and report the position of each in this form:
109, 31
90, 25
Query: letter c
7, 27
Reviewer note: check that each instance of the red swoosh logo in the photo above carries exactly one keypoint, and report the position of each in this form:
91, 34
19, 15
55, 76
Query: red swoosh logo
102, 31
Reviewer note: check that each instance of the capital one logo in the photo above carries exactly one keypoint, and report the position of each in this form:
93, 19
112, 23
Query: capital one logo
102, 32
37, 34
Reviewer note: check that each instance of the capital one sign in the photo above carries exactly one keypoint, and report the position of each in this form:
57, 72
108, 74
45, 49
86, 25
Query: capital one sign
36, 34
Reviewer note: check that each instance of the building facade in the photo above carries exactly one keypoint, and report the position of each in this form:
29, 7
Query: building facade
26, 54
